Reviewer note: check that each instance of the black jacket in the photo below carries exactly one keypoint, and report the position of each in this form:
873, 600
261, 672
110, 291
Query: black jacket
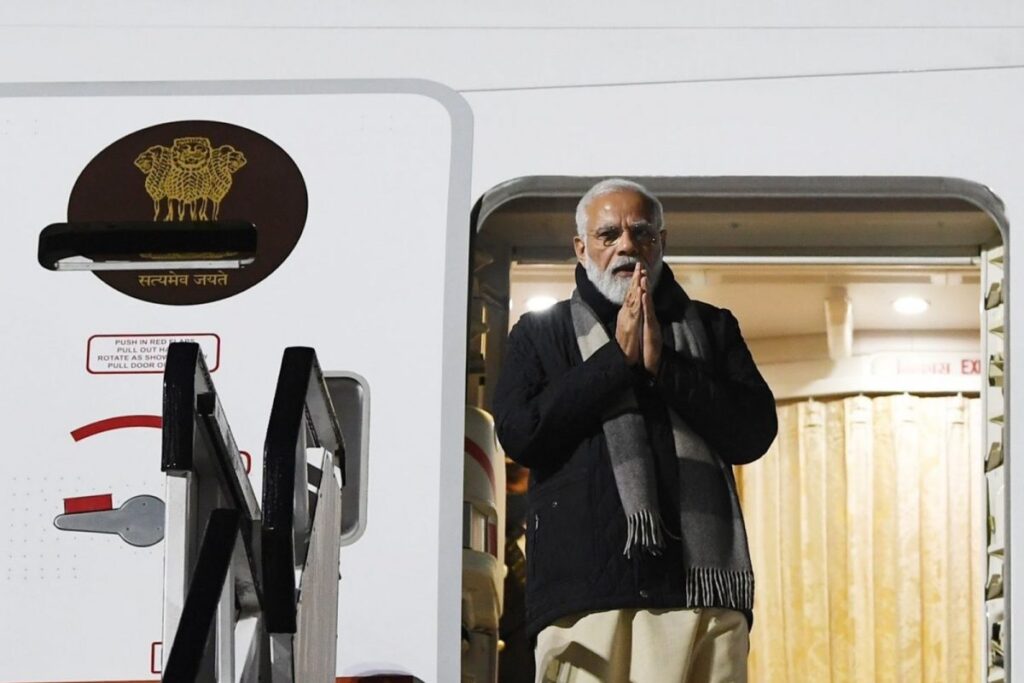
547, 406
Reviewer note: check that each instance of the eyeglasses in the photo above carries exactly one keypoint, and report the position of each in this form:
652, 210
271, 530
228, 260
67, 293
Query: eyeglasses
643, 234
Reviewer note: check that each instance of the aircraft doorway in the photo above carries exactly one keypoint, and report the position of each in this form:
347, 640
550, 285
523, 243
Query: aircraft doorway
812, 269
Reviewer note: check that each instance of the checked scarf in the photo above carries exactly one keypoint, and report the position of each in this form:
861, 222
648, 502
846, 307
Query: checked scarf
718, 570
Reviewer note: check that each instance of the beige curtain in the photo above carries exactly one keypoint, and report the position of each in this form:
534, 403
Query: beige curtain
866, 533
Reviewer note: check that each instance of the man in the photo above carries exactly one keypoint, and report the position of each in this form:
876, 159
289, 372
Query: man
630, 403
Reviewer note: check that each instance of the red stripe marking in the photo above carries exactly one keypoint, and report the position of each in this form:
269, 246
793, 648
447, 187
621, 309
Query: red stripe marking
478, 454
120, 422
103, 501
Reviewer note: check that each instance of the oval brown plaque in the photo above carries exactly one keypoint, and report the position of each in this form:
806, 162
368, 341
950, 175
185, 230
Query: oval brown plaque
195, 171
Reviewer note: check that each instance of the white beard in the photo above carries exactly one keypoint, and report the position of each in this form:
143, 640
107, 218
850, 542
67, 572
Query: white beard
613, 287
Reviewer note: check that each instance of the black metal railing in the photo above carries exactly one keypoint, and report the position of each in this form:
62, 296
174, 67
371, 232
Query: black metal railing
204, 594
302, 416
199, 446
261, 551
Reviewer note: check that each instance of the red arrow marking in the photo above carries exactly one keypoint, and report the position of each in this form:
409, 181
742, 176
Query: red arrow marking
121, 422
478, 454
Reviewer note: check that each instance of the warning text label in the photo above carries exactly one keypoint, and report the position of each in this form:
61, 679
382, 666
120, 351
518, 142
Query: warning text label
112, 354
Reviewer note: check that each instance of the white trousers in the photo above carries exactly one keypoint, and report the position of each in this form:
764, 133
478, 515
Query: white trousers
707, 645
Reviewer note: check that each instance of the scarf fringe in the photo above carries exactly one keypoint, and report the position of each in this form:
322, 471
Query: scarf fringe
644, 531
708, 586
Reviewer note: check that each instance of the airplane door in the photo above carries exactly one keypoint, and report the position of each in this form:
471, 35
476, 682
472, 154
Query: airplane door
359, 191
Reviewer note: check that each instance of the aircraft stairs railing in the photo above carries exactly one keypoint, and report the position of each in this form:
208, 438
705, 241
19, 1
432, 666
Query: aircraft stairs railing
241, 582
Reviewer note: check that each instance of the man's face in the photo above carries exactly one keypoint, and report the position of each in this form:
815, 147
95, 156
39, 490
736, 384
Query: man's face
620, 234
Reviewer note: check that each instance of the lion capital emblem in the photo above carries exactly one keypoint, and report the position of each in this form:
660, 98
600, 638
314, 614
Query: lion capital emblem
189, 179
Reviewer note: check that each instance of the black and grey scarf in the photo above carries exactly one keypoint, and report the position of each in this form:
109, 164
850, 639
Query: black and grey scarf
715, 552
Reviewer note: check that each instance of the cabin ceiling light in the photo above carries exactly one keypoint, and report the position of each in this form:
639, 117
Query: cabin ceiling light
910, 305
539, 303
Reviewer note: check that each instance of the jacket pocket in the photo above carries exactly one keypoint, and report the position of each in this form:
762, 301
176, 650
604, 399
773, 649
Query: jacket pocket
559, 544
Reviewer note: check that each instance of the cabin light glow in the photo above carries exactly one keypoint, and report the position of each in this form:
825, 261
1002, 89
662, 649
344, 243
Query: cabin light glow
539, 303
910, 305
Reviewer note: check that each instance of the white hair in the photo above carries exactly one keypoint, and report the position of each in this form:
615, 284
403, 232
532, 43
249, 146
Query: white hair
608, 186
